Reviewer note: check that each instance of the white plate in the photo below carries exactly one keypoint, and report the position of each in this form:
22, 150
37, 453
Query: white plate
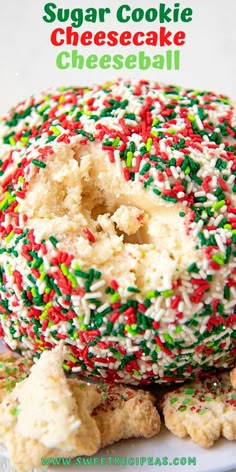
191, 457
220, 458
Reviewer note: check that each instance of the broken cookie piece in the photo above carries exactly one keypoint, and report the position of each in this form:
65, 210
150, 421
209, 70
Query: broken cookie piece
48, 415
203, 410
124, 413
12, 370
41, 417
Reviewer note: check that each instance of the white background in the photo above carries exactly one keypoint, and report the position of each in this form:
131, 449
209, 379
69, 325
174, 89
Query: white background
27, 59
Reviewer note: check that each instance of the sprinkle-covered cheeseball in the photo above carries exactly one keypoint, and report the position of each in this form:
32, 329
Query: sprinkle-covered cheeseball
118, 230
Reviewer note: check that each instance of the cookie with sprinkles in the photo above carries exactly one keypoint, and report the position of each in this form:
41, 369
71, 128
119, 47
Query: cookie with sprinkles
124, 413
118, 230
12, 370
202, 410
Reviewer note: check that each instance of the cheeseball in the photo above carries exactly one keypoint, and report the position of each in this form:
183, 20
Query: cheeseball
118, 230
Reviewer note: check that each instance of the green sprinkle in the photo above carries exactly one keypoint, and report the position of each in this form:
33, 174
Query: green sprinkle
218, 205
53, 240
72, 280
64, 269
192, 268
152, 293
167, 293
129, 159
169, 199
42, 109
9, 236
133, 289
130, 116
38, 163
186, 401
44, 315
24, 139
12, 141
149, 144
191, 117
115, 297
31, 279
181, 213
220, 164
15, 411
207, 399
72, 358
145, 168
178, 329
148, 181
106, 311
227, 292
131, 330
168, 338
189, 391
6, 139
55, 130
219, 259
173, 400
137, 372
183, 408
80, 273
156, 191
97, 274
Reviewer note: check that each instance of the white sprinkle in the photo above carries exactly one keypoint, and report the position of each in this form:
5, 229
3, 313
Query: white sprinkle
214, 179
118, 162
97, 285
147, 334
103, 307
198, 228
133, 348
76, 369
174, 172
212, 197
218, 220
206, 233
199, 122
128, 343
223, 209
87, 311
204, 323
159, 314
186, 299
231, 179
200, 194
220, 243
181, 306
